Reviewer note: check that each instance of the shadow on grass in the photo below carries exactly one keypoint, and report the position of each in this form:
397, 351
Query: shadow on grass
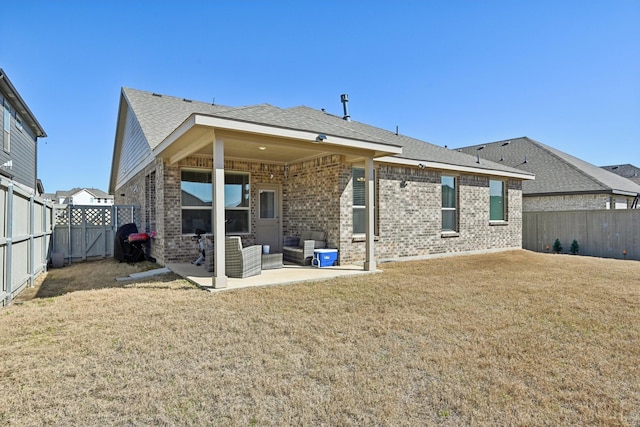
101, 274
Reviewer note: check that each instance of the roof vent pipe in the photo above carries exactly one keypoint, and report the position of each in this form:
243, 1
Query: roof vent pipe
344, 98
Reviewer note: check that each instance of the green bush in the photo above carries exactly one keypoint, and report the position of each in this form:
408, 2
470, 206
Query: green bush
575, 247
557, 246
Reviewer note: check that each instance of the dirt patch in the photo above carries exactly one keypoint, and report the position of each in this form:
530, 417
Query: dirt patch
83, 276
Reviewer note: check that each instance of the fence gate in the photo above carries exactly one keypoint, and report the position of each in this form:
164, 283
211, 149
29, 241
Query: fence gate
87, 232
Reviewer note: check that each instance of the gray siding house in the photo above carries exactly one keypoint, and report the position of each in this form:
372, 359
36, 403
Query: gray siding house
563, 182
264, 173
19, 137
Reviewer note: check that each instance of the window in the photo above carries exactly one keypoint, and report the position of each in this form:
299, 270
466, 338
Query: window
496, 201
196, 201
449, 204
7, 129
359, 209
267, 204
18, 121
236, 202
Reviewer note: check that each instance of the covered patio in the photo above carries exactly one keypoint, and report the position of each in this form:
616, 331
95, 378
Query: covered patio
290, 273
225, 139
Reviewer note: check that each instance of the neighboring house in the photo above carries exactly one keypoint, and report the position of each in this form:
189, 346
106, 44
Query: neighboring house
81, 196
263, 173
563, 182
627, 171
19, 138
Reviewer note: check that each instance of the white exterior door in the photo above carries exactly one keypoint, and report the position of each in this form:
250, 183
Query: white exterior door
268, 224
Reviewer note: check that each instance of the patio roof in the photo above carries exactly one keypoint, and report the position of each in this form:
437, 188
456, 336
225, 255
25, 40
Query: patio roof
262, 142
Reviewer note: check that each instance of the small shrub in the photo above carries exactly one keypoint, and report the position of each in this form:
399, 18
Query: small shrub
557, 246
575, 247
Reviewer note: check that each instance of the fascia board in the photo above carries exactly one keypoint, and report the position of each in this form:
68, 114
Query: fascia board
624, 193
456, 168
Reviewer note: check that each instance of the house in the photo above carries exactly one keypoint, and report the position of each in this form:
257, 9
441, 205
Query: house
19, 138
563, 182
628, 171
81, 196
263, 173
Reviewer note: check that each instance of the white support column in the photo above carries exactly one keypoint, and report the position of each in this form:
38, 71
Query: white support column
369, 198
219, 279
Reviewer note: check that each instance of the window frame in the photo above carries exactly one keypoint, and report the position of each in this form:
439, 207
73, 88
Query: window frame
357, 207
455, 209
504, 202
209, 207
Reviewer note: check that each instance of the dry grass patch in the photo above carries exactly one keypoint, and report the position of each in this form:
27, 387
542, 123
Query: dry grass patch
509, 338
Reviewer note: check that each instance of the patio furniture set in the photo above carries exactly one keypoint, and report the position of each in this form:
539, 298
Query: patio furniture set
307, 249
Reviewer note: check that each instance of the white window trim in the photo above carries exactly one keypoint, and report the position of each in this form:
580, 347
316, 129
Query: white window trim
505, 205
456, 209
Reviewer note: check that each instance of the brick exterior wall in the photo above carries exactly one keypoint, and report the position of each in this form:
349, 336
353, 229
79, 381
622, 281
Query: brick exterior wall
410, 216
317, 194
574, 202
312, 197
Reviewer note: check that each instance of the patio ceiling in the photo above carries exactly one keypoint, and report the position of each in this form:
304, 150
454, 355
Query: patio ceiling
262, 143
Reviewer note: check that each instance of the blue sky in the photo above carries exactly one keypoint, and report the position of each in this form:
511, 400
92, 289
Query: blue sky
455, 73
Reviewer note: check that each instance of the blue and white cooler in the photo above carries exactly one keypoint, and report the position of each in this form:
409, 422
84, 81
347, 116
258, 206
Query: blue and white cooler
324, 258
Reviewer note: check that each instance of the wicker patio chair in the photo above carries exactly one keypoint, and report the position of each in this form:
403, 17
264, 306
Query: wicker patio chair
242, 262
300, 249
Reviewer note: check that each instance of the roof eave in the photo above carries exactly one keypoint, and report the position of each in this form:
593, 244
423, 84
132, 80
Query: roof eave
456, 168
579, 193
22, 107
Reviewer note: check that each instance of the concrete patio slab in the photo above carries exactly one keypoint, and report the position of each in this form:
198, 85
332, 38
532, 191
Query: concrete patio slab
290, 273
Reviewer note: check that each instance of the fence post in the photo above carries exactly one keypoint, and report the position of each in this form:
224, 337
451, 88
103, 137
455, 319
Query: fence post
9, 242
32, 247
69, 228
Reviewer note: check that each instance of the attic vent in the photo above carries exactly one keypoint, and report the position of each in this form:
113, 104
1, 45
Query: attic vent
156, 94
186, 100
481, 147
505, 143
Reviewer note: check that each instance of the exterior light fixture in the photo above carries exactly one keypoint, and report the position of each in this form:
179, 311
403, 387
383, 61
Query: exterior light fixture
321, 137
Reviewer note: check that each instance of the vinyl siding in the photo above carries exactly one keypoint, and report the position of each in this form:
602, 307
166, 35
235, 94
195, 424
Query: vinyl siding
22, 152
135, 149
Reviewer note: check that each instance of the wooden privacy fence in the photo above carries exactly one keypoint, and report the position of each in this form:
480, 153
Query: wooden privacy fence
87, 232
604, 233
25, 233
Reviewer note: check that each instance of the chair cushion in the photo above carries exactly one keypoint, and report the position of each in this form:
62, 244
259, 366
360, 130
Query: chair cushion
306, 235
317, 235
320, 244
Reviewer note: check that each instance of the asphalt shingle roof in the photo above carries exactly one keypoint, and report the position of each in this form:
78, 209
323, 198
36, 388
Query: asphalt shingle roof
627, 171
555, 171
159, 115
